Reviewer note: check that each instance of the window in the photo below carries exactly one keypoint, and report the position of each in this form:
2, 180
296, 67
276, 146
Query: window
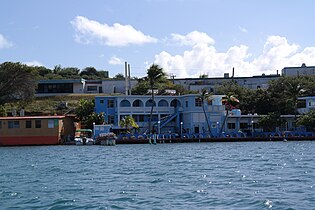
125, 103
111, 119
186, 103
0, 124
38, 123
244, 126
91, 88
110, 103
175, 103
149, 103
51, 124
13, 124
163, 103
137, 103
28, 124
101, 101
198, 102
231, 125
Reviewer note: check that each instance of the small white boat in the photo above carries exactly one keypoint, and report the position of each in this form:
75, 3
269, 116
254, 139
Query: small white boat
83, 137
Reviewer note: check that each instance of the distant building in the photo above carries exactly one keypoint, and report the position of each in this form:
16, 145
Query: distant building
60, 86
79, 86
306, 104
299, 71
210, 84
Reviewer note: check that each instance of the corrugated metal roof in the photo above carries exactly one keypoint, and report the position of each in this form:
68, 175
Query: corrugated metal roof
31, 117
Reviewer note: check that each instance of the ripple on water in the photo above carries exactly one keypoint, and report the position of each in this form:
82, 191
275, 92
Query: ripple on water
253, 175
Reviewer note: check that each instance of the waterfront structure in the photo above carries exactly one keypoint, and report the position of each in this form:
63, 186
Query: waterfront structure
36, 130
183, 115
169, 113
298, 71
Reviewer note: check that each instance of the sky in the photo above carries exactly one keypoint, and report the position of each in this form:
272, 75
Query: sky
187, 38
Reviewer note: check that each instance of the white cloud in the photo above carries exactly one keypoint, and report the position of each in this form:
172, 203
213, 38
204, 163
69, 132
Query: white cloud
115, 61
203, 58
4, 43
192, 38
33, 63
90, 31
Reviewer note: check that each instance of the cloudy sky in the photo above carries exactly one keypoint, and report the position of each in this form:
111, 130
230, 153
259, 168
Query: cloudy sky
187, 38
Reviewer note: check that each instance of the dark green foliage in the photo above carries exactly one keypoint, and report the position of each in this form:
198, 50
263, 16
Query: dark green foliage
307, 120
90, 73
3, 112
119, 76
86, 115
17, 82
270, 122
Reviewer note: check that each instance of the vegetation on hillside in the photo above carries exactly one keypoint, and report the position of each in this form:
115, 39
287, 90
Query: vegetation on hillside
18, 82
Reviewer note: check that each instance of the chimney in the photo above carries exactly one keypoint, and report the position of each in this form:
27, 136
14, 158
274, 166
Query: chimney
129, 83
126, 78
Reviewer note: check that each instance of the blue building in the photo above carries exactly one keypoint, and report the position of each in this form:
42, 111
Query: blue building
171, 114
184, 115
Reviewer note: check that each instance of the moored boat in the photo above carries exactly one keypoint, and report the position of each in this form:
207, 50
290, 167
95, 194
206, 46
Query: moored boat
83, 137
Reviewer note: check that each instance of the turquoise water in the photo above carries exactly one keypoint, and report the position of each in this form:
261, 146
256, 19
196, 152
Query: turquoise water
246, 175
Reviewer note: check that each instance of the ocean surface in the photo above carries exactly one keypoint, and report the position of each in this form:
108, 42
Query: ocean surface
240, 175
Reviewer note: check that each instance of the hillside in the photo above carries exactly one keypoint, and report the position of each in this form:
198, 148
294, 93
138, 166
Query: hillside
50, 105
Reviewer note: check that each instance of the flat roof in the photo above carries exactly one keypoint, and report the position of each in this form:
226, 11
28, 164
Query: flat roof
31, 117
60, 81
230, 77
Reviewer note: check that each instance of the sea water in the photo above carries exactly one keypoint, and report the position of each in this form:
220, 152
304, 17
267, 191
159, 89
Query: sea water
240, 175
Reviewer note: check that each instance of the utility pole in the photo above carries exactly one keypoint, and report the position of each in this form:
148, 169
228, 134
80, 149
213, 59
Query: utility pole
172, 76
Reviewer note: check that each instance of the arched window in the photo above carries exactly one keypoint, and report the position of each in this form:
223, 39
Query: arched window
137, 103
124, 103
175, 103
163, 103
149, 103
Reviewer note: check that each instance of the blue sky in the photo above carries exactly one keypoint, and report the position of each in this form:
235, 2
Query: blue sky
185, 37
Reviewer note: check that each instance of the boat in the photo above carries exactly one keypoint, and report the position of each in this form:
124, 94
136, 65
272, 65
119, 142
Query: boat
83, 137
107, 139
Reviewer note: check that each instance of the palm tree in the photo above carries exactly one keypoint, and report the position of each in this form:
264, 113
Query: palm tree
230, 102
155, 75
205, 96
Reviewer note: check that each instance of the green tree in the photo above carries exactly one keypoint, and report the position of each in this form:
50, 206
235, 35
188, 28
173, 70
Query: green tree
86, 115
142, 87
270, 121
119, 76
3, 112
155, 75
129, 123
307, 120
17, 82
205, 97
69, 73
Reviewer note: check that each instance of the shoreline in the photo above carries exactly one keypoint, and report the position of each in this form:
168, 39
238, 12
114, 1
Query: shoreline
206, 140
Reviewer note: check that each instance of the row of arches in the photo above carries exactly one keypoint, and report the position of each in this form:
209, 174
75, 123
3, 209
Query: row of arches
148, 103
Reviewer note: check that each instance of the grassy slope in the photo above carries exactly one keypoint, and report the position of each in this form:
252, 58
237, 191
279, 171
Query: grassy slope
48, 105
